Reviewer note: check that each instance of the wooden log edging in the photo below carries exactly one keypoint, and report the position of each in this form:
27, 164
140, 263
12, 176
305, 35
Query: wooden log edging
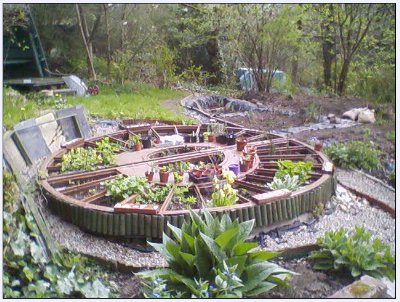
151, 227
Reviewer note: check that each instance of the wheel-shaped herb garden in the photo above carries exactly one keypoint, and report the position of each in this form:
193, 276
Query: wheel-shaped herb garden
131, 183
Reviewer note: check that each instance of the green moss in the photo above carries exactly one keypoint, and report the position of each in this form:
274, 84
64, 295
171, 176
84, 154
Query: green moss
359, 289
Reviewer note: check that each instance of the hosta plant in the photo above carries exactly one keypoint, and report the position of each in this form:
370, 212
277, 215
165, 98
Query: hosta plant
288, 182
205, 250
122, 186
301, 169
355, 252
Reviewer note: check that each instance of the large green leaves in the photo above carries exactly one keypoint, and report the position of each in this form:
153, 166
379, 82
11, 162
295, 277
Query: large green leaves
210, 250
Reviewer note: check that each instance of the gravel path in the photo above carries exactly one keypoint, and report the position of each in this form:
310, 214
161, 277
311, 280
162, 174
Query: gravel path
76, 240
344, 210
366, 185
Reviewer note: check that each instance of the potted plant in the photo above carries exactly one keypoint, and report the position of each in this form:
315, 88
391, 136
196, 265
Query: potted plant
164, 174
146, 141
205, 135
234, 168
244, 165
241, 142
136, 141
318, 145
230, 139
193, 137
186, 138
150, 173
249, 158
203, 173
201, 138
178, 169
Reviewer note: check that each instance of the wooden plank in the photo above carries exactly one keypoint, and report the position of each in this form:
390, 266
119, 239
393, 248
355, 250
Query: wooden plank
269, 213
274, 212
104, 223
272, 196
257, 210
283, 209
154, 225
135, 224
147, 226
246, 214
142, 227
160, 226
264, 215
110, 224
128, 225
116, 224
252, 214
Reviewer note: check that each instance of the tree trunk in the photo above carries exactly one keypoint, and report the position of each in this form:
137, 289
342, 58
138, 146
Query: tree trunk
108, 43
88, 46
212, 47
328, 46
343, 76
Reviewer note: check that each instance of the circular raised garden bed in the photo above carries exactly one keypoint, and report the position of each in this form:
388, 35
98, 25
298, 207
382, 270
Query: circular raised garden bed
80, 197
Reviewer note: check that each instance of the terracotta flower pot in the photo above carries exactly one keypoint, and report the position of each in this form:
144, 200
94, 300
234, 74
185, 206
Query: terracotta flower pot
318, 146
240, 144
212, 138
149, 176
164, 177
137, 147
245, 166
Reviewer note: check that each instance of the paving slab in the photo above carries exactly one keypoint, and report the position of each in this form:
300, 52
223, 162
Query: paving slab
69, 125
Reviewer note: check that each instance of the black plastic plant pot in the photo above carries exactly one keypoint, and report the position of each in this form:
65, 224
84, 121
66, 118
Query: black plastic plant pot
193, 139
230, 139
200, 179
201, 138
221, 139
146, 141
186, 137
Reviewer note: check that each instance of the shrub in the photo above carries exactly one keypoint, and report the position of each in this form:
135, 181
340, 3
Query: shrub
301, 169
355, 154
210, 258
353, 251
290, 183
122, 187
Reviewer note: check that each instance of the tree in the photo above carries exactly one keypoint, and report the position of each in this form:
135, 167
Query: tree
266, 39
88, 36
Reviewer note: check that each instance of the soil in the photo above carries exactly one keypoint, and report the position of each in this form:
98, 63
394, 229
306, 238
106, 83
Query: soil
127, 285
309, 283
268, 121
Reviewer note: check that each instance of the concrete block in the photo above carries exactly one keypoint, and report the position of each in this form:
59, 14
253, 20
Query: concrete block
29, 140
367, 287
12, 154
70, 129
51, 131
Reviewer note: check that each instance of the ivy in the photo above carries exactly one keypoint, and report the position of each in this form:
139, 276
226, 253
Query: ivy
29, 273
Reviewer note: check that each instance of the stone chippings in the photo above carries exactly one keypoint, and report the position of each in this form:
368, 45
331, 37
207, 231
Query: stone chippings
76, 240
343, 210
362, 183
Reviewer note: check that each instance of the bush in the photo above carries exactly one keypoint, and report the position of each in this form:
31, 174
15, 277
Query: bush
301, 169
354, 252
211, 259
356, 154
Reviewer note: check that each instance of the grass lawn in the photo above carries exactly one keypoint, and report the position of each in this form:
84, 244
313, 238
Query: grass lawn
134, 100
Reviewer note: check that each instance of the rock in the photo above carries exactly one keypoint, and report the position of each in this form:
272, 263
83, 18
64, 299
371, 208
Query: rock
352, 114
259, 104
47, 92
366, 116
367, 287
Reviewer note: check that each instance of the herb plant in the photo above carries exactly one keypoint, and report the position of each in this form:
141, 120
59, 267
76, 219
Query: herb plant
210, 258
353, 251
301, 169
288, 182
122, 186
355, 154
107, 151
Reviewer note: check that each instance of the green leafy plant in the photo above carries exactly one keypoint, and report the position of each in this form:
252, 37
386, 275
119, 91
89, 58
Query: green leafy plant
80, 159
205, 250
135, 139
107, 151
311, 112
224, 194
391, 136
155, 194
122, 186
301, 169
180, 195
355, 154
28, 271
288, 182
354, 252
